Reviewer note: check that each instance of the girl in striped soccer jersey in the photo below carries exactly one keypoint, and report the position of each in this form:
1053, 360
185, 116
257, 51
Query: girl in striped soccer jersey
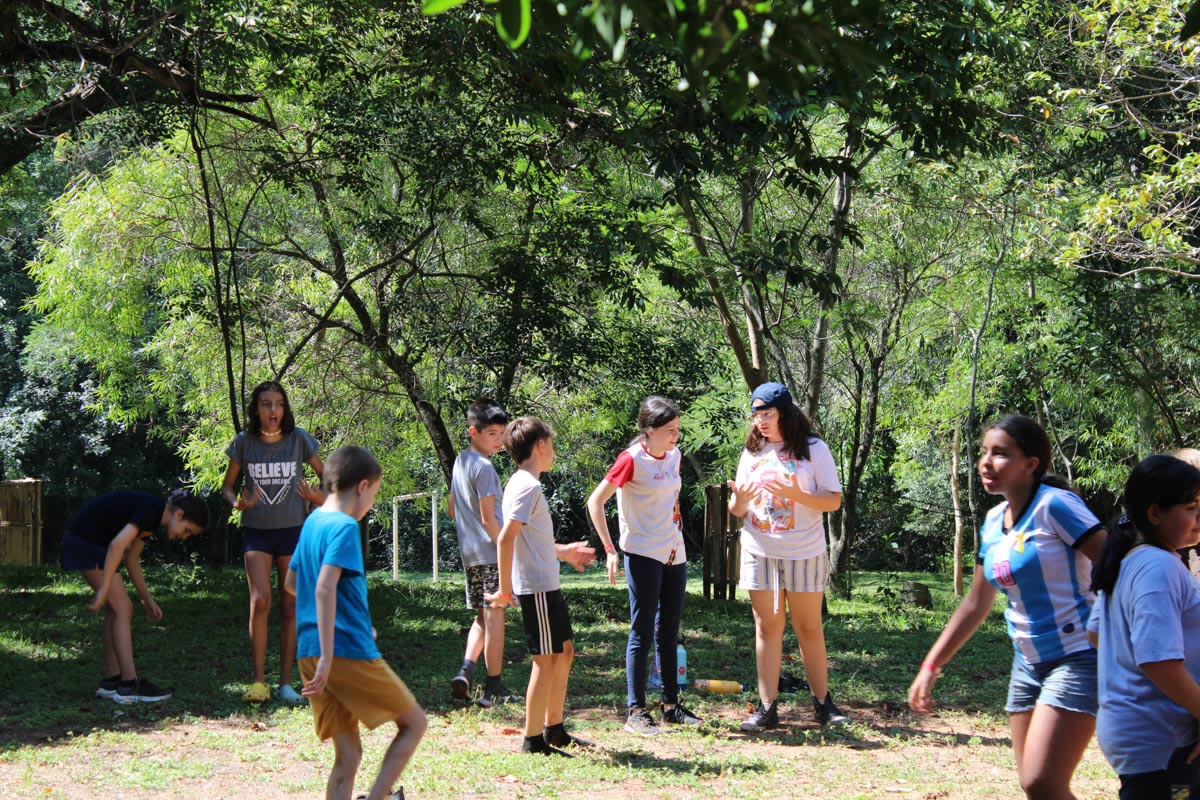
1038, 547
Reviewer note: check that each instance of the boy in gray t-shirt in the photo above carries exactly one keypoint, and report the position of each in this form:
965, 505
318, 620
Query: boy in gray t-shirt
529, 559
474, 504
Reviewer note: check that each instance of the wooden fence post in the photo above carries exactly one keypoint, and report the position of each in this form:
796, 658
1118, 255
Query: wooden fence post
721, 549
21, 521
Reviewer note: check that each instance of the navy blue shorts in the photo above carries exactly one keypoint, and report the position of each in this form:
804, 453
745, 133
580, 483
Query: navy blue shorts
276, 541
79, 554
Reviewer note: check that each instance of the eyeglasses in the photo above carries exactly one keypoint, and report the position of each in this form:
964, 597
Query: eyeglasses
763, 414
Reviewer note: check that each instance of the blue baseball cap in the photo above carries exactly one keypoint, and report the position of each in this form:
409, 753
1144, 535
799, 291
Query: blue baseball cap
772, 395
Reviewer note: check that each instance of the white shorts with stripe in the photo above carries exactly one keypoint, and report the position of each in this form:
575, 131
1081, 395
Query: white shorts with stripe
786, 574
547, 623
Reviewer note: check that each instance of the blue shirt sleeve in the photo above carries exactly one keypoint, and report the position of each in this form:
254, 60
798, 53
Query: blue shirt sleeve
1070, 517
1155, 608
344, 549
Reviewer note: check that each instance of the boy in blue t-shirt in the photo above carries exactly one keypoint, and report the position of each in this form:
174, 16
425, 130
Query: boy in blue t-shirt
474, 505
345, 678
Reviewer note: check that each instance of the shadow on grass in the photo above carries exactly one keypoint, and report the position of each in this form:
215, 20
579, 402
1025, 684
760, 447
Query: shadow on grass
51, 660
633, 758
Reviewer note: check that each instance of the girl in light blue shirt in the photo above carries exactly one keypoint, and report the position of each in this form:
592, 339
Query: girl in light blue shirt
1148, 621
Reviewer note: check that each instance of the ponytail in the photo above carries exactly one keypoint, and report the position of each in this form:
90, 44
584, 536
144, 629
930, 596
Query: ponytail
1122, 537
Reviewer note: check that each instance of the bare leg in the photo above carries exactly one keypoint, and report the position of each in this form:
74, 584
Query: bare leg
768, 642
287, 623
476, 637
258, 576
805, 610
537, 698
118, 614
411, 728
1048, 744
493, 639
347, 753
557, 701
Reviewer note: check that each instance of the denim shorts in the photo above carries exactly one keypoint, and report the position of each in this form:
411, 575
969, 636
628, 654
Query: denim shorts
1068, 683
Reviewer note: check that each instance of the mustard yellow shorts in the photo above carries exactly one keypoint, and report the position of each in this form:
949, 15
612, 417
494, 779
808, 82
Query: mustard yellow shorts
357, 691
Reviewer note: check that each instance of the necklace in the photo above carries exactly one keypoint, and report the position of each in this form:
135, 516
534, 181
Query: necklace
272, 434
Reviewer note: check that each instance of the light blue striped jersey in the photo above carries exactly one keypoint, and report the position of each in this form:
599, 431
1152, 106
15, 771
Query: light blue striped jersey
1037, 564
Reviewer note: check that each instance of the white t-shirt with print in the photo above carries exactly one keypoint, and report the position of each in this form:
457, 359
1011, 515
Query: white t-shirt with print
775, 527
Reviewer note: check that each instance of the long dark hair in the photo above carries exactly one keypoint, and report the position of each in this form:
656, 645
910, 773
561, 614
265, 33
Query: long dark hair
794, 428
1029, 436
1162, 481
253, 425
654, 412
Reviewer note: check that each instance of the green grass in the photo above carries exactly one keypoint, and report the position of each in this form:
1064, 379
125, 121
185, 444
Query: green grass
204, 742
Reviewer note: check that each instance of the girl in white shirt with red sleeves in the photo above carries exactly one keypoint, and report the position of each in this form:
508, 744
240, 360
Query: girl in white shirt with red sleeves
645, 478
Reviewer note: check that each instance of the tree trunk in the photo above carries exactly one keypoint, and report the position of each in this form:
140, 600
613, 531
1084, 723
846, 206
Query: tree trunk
835, 232
956, 499
866, 415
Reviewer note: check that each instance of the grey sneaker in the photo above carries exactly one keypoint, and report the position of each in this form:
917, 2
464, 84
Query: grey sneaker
762, 719
827, 713
641, 722
502, 697
680, 716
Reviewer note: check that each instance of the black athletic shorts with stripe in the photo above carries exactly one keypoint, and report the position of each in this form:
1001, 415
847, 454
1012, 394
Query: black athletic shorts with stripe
547, 623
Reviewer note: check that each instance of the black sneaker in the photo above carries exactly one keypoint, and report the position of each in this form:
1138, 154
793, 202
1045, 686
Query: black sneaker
396, 795
539, 745
680, 716
460, 685
557, 736
140, 690
500, 698
827, 713
641, 722
762, 719
108, 687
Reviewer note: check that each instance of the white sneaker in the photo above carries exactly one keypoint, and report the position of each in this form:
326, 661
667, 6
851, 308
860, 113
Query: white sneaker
286, 694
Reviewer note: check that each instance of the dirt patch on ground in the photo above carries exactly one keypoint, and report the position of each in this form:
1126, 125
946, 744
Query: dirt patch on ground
887, 753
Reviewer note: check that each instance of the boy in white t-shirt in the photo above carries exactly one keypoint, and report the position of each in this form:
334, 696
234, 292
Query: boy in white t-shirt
529, 559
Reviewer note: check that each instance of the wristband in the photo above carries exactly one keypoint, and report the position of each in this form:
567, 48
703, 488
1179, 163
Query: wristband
608, 548
501, 597
932, 667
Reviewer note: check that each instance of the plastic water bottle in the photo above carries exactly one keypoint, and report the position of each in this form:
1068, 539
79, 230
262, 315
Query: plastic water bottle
681, 662
719, 687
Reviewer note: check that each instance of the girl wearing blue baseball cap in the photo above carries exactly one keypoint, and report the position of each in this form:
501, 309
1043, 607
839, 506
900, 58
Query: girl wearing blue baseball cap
786, 482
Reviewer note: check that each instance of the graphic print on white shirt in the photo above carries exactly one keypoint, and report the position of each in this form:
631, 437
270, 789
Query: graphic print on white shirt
769, 513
